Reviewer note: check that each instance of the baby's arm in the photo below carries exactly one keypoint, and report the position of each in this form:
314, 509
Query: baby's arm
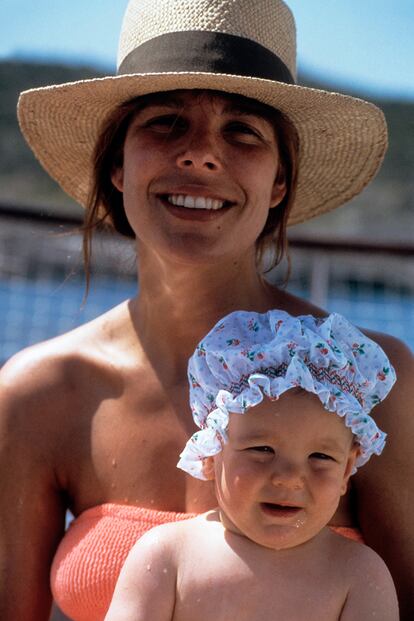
372, 594
146, 586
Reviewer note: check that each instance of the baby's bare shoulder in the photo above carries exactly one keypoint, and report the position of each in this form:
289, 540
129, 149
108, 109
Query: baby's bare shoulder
171, 542
355, 557
366, 575
371, 590
182, 532
183, 539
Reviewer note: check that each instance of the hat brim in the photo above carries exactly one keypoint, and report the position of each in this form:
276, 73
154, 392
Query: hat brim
342, 139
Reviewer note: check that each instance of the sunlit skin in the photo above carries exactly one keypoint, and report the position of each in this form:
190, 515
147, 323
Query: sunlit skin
199, 145
280, 477
107, 403
265, 553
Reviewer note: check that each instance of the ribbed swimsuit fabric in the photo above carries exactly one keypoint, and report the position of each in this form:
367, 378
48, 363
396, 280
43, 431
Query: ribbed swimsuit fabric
90, 556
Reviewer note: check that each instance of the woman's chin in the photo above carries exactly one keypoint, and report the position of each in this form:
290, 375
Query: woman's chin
195, 250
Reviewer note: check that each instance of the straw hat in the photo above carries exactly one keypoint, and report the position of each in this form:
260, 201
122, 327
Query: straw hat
238, 46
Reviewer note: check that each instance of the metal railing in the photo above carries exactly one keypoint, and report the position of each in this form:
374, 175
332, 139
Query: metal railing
41, 278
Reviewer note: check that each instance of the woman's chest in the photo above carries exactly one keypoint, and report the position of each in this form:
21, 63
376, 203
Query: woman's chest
127, 452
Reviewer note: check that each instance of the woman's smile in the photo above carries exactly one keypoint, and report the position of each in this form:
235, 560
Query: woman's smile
191, 211
196, 202
200, 159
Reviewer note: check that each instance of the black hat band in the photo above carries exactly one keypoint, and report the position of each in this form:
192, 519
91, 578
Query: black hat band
206, 52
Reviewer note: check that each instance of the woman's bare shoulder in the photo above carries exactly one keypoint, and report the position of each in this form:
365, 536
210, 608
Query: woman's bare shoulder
394, 414
285, 300
398, 352
55, 370
402, 359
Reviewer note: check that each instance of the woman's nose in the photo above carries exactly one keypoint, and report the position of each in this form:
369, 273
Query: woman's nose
201, 152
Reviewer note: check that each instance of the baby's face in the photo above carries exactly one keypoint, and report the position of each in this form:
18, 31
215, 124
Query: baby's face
280, 477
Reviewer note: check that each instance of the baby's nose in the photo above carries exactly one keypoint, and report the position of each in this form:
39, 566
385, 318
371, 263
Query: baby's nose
287, 475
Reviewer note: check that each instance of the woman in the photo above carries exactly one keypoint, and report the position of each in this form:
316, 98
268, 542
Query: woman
94, 420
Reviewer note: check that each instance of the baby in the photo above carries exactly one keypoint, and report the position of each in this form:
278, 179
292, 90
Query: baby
284, 405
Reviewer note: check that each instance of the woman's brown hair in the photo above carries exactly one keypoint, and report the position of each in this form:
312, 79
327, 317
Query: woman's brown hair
105, 209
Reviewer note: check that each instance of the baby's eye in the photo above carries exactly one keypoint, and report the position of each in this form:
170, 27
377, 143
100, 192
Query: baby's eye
322, 457
262, 449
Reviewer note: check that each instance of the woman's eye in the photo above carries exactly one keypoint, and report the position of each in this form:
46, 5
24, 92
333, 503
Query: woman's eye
243, 130
166, 123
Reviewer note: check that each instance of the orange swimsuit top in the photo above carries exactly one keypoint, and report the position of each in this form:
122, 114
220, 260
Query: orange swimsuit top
96, 544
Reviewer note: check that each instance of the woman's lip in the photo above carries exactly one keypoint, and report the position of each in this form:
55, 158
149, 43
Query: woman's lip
275, 510
188, 213
195, 189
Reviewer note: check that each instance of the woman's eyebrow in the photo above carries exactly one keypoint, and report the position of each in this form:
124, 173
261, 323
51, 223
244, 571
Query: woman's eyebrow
241, 110
244, 109
169, 101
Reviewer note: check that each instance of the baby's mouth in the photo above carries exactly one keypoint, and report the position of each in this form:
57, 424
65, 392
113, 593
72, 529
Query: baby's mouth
277, 510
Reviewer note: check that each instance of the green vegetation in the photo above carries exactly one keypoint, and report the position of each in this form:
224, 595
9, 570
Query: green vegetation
385, 208
23, 182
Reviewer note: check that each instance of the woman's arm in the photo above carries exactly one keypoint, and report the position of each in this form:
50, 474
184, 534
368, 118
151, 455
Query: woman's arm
146, 586
31, 511
385, 486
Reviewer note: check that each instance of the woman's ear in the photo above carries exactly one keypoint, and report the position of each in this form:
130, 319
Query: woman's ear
354, 453
279, 189
208, 468
117, 178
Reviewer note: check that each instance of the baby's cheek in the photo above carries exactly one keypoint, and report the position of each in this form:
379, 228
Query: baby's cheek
328, 487
243, 478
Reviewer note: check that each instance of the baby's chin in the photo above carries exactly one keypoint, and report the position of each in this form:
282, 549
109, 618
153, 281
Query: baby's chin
282, 527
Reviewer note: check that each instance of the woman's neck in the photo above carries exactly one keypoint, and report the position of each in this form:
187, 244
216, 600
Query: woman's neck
178, 304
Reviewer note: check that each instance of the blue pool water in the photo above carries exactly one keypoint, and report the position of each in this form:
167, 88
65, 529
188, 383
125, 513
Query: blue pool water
32, 311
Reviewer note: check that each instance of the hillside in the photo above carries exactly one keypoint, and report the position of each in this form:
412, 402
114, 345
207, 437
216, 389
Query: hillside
385, 209
22, 179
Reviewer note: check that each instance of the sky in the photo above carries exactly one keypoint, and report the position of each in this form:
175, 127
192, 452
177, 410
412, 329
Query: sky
363, 45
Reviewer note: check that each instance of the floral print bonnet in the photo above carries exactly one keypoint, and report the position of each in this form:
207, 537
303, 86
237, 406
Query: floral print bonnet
248, 355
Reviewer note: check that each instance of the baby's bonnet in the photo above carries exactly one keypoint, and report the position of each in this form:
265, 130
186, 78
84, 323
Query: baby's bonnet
248, 355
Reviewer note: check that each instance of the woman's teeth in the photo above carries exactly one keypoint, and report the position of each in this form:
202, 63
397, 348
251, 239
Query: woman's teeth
194, 202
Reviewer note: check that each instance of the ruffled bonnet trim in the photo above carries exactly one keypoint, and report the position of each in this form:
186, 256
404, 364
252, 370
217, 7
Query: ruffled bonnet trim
273, 353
